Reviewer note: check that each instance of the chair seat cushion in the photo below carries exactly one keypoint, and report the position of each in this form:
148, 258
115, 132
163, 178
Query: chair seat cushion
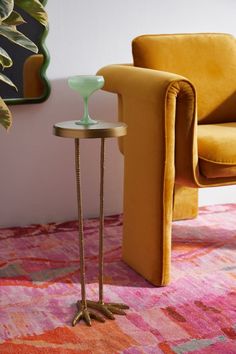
217, 150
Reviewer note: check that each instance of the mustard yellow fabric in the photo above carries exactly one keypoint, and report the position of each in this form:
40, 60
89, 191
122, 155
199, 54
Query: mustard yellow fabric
185, 203
161, 148
208, 60
212, 170
32, 83
217, 143
217, 150
147, 102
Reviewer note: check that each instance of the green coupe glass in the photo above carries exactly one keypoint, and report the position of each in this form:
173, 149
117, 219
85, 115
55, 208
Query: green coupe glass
86, 85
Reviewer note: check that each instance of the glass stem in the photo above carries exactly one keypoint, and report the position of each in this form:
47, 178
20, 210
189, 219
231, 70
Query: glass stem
86, 113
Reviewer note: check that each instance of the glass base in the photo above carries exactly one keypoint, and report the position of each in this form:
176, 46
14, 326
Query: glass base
86, 121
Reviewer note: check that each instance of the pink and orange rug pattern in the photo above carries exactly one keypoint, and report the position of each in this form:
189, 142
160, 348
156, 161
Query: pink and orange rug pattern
40, 284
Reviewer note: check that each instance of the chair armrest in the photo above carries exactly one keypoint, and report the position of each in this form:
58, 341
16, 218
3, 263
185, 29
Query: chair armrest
160, 111
161, 105
126, 78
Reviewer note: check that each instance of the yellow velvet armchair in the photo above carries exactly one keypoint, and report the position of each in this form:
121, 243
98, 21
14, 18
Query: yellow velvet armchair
179, 101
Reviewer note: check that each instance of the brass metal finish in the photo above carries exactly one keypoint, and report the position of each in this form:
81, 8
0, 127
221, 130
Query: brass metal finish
108, 309
86, 314
88, 309
83, 311
70, 129
101, 224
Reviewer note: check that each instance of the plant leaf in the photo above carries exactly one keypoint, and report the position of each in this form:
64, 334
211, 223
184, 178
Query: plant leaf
17, 37
35, 9
15, 19
5, 59
5, 79
5, 115
6, 7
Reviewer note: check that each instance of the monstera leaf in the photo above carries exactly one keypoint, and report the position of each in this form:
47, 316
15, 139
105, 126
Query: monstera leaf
35, 9
5, 115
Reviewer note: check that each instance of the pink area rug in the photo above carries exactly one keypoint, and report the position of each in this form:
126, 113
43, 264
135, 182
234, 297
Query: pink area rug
196, 313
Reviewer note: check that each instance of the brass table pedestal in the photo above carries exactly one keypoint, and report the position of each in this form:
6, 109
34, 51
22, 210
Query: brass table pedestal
88, 309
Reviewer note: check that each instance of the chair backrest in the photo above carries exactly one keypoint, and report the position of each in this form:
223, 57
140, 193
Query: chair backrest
208, 60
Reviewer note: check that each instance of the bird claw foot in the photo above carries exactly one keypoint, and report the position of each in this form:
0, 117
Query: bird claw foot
108, 309
86, 314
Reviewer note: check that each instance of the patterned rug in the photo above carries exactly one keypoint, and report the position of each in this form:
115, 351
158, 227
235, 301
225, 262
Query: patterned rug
196, 313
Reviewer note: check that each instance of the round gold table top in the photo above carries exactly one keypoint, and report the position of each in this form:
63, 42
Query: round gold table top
71, 129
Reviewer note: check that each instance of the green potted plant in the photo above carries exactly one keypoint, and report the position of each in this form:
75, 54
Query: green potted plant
10, 19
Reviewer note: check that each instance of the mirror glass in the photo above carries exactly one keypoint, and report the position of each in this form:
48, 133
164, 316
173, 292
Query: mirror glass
29, 70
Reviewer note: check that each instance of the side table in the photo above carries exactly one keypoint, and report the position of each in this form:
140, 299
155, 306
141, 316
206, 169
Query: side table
101, 130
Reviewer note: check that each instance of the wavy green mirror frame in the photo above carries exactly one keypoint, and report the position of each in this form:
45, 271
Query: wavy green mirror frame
45, 82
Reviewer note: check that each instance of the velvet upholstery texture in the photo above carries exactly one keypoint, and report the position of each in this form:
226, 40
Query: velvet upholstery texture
33, 85
179, 102
207, 60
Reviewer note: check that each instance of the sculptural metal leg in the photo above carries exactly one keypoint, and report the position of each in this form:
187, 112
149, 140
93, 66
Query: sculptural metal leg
83, 311
107, 309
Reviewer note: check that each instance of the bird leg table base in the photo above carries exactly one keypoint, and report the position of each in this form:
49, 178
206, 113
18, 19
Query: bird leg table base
88, 309
107, 309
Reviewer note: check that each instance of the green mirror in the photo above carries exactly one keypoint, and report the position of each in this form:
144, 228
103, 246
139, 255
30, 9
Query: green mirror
28, 72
